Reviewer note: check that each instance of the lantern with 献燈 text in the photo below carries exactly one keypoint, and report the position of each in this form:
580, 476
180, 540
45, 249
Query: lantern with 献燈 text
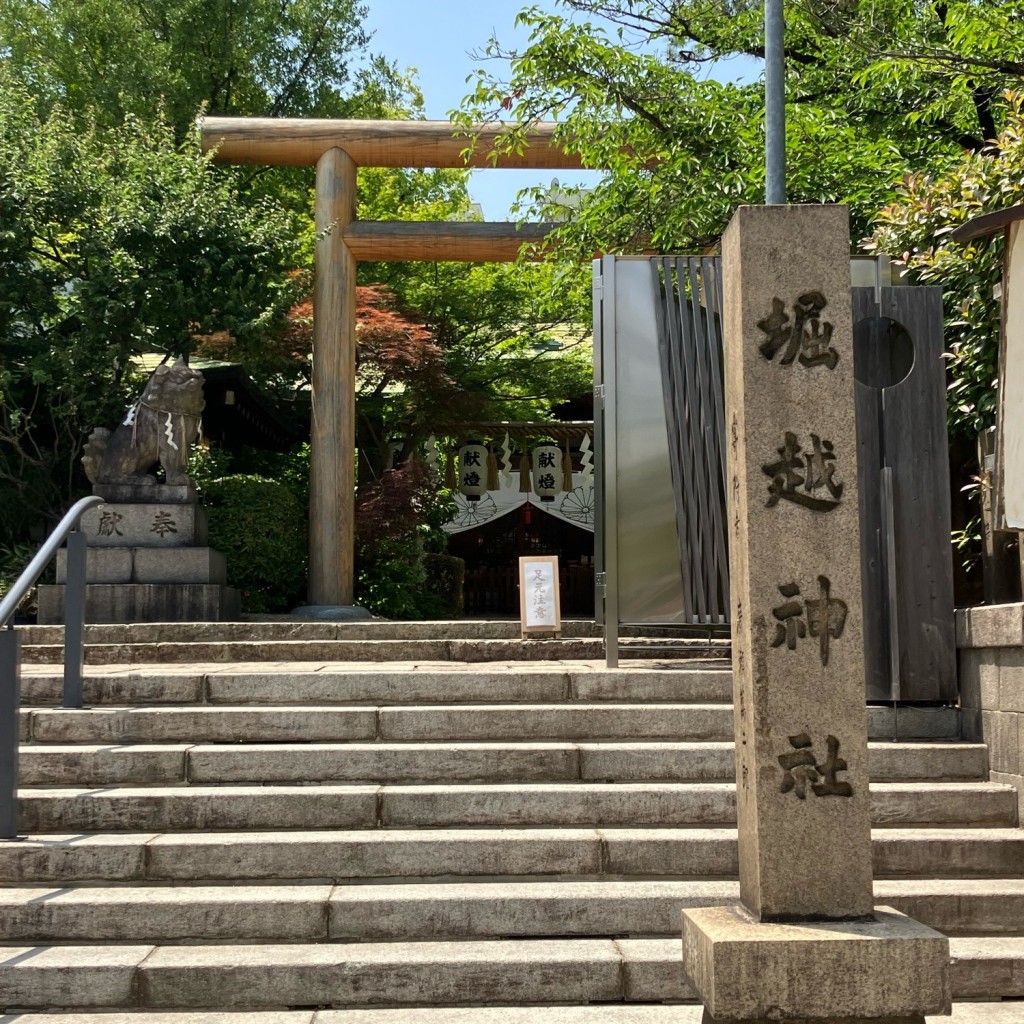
547, 471
473, 471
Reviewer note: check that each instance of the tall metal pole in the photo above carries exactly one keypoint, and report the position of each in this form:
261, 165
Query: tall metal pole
774, 103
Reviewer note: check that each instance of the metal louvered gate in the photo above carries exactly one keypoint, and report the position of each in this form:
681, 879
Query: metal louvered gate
688, 301
661, 553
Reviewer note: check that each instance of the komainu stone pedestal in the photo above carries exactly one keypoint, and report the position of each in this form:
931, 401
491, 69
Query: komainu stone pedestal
889, 970
147, 560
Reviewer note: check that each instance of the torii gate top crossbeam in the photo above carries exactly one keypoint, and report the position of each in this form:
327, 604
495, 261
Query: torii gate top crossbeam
300, 142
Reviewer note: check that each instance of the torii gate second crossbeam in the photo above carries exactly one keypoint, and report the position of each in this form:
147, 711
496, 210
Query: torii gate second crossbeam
337, 149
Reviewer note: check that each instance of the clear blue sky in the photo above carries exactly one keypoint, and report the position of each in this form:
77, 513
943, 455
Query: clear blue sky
436, 39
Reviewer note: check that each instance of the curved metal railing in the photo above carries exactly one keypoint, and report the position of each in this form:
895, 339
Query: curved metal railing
10, 649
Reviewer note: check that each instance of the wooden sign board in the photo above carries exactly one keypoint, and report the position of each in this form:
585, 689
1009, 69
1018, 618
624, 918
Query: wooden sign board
539, 604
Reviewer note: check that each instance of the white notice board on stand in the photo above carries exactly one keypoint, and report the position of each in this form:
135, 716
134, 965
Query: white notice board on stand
539, 607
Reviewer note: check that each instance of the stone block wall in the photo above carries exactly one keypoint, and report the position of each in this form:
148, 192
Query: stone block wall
990, 640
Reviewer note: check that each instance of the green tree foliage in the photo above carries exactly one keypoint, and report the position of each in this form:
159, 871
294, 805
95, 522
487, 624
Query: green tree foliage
515, 337
171, 60
465, 343
914, 230
875, 90
922, 74
499, 342
112, 242
252, 57
512, 336
417, 194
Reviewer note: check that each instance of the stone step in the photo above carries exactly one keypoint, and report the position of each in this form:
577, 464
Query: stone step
304, 629
614, 1013
205, 724
636, 908
53, 764
397, 854
299, 975
131, 809
322, 683
310, 724
482, 910
426, 649
141, 763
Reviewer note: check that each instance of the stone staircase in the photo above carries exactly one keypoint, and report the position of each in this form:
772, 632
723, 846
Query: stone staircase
376, 641
293, 823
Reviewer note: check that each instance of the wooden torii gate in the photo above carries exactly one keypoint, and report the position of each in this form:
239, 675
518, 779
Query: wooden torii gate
337, 149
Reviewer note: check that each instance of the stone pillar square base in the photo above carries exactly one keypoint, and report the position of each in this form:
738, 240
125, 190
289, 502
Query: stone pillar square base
891, 970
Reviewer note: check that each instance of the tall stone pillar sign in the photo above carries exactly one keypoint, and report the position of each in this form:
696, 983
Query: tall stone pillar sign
806, 944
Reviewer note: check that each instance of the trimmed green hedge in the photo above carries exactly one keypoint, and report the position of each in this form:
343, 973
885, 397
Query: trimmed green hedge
261, 526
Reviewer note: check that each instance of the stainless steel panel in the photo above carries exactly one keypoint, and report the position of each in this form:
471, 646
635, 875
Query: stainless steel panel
639, 502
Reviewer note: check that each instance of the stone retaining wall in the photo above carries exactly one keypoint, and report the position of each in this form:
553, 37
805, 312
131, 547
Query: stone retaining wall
990, 640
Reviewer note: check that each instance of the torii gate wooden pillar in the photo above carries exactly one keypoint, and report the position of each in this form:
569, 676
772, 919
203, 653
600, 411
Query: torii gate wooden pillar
337, 149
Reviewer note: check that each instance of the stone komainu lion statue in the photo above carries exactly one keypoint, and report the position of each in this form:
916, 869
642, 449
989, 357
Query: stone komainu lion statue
160, 427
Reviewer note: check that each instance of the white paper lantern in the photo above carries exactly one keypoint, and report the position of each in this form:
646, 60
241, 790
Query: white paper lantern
547, 473
473, 471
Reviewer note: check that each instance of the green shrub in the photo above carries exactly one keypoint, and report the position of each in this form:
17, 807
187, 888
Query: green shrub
443, 579
389, 579
289, 468
206, 464
261, 526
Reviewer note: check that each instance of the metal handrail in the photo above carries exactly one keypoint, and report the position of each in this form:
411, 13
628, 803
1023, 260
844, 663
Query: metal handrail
23, 584
10, 649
